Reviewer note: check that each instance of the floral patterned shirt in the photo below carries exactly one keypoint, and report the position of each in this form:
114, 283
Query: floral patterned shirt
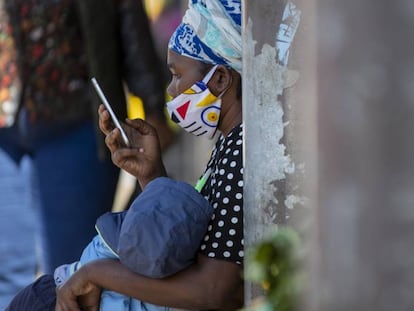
42, 38
9, 81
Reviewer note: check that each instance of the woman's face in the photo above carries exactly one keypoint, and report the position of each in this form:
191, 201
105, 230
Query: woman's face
185, 72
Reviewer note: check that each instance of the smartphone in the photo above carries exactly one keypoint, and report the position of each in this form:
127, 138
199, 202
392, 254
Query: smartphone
109, 108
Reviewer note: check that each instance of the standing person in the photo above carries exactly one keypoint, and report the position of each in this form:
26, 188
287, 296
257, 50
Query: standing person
52, 154
206, 91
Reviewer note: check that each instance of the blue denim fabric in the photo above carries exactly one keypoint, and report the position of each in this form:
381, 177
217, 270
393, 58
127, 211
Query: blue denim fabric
67, 182
17, 227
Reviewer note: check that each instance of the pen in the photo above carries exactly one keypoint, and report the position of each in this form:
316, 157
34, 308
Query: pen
202, 181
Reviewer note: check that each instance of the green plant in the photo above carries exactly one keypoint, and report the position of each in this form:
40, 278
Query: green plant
274, 264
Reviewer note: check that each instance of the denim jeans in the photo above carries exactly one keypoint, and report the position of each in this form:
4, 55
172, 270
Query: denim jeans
17, 227
52, 189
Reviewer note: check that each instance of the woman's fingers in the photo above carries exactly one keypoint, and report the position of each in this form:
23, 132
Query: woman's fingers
141, 126
114, 140
66, 301
105, 123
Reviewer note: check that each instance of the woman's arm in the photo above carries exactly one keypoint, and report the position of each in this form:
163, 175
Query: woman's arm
207, 284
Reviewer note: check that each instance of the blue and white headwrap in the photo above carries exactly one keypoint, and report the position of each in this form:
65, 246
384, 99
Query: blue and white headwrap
211, 32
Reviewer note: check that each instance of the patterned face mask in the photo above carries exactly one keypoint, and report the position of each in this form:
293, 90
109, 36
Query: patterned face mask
197, 110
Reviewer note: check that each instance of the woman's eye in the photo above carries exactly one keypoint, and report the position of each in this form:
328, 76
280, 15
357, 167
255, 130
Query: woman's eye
172, 77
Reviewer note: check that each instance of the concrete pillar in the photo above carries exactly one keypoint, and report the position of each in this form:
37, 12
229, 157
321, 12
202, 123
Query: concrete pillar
365, 210
272, 170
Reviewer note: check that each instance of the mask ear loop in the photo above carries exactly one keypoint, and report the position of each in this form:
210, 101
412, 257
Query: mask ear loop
208, 76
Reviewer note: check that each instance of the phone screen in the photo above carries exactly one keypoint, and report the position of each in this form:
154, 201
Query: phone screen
109, 108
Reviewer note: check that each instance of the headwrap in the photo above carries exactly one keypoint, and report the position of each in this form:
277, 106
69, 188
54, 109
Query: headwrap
211, 32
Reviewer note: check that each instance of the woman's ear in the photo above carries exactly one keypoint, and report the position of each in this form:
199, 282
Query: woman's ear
221, 80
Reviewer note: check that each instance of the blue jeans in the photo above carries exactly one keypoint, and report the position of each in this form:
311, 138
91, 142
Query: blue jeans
52, 184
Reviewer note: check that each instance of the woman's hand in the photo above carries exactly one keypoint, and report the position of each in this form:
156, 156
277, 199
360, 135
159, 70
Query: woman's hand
143, 158
78, 294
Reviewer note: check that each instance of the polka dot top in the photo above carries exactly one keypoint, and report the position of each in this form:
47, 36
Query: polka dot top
224, 191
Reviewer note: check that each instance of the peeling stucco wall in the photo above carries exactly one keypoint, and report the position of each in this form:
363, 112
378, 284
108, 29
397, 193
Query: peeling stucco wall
271, 167
267, 160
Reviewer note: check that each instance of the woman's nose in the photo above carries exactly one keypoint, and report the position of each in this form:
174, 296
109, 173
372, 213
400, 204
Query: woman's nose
171, 91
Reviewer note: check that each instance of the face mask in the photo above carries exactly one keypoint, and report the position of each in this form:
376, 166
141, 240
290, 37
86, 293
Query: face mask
197, 110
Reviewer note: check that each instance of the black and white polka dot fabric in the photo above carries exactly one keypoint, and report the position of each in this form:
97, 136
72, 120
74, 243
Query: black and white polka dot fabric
224, 191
